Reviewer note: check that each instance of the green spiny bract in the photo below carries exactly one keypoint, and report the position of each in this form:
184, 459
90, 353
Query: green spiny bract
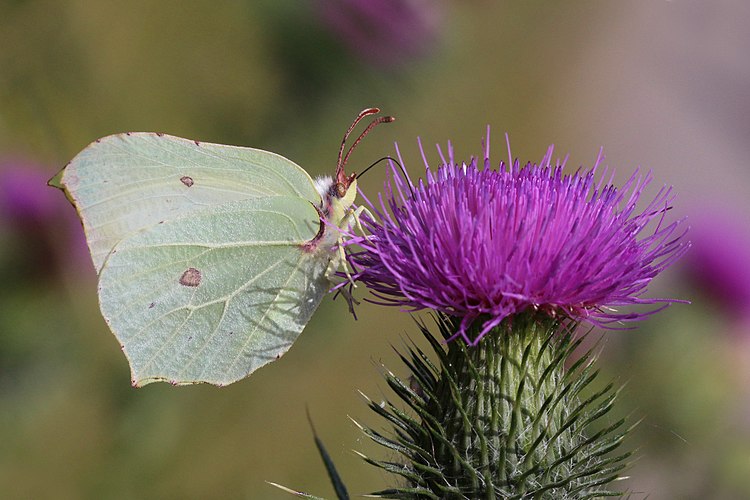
504, 419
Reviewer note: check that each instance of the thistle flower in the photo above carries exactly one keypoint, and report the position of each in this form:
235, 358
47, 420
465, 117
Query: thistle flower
35, 223
386, 33
24, 196
719, 263
515, 257
484, 245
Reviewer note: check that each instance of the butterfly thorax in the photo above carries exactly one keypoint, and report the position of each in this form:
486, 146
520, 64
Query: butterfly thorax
336, 202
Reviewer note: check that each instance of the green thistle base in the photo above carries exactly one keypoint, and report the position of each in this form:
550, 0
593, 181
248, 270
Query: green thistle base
504, 419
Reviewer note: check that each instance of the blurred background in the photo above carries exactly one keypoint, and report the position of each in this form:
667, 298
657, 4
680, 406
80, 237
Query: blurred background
660, 84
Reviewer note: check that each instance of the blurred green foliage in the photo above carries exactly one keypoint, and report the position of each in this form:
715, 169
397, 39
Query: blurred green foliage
271, 75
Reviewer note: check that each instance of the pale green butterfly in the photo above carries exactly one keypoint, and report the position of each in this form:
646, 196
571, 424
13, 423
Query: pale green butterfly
211, 258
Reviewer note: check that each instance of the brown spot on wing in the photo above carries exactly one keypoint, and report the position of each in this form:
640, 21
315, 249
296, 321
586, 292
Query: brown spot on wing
191, 277
188, 181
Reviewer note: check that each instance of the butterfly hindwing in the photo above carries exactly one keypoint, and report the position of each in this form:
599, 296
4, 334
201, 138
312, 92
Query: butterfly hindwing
215, 294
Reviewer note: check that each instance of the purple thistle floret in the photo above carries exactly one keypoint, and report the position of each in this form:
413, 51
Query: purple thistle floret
484, 244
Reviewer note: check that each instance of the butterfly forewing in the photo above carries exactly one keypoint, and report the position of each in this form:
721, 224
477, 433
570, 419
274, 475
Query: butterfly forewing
124, 183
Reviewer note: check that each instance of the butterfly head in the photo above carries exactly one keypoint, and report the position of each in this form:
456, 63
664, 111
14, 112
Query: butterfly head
345, 190
338, 193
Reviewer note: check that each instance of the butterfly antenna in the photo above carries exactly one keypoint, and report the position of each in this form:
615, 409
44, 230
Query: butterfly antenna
403, 170
340, 173
362, 114
377, 121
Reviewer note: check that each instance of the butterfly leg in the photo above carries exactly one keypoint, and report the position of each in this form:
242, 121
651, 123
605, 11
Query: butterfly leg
339, 259
351, 218
355, 215
341, 262
346, 292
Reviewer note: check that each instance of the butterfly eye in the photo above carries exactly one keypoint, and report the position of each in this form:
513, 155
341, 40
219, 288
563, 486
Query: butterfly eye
340, 190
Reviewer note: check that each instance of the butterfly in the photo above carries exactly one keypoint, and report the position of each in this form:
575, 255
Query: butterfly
211, 258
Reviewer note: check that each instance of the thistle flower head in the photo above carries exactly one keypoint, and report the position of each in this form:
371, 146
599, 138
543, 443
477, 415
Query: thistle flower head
485, 244
36, 225
387, 33
24, 196
719, 263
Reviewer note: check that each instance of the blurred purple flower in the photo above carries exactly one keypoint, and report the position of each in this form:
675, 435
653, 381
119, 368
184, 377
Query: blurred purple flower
24, 196
385, 32
719, 263
483, 244
43, 231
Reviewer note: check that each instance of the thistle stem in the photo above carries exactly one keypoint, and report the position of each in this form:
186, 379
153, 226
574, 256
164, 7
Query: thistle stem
489, 393
504, 418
